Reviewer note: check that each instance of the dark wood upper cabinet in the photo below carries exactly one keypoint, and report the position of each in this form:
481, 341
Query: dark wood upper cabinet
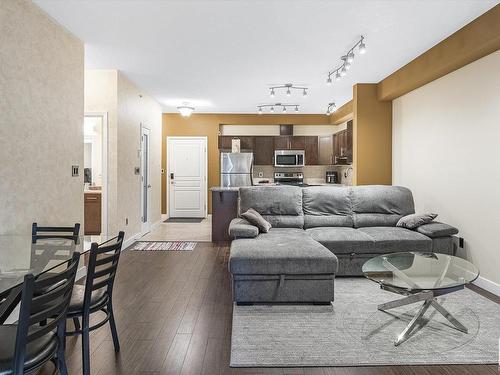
289, 142
225, 142
342, 145
263, 152
325, 149
282, 142
349, 142
297, 143
311, 148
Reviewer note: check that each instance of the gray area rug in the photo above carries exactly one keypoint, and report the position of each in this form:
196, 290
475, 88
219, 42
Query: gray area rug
354, 333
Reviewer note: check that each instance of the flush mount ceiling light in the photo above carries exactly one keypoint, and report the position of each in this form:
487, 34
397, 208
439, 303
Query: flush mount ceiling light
288, 87
347, 60
277, 105
331, 108
185, 110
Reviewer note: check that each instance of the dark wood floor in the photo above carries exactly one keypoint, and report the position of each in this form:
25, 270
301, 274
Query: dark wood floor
173, 313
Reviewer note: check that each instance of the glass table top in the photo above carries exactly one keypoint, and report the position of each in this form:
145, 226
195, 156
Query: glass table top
416, 271
20, 256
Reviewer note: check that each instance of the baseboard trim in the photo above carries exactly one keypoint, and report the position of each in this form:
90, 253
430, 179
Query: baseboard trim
81, 273
131, 240
488, 285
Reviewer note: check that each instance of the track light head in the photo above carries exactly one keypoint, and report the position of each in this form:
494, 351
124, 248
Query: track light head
343, 71
272, 109
284, 109
304, 93
328, 112
272, 93
350, 57
296, 108
329, 81
288, 92
347, 65
337, 76
260, 110
362, 46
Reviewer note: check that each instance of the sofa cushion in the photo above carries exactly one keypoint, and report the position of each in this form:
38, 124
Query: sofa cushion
253, 217
380, 206
437, 229
395, 239
240, 228
413, 221
326, 206
281, 251
342, 240
279, 205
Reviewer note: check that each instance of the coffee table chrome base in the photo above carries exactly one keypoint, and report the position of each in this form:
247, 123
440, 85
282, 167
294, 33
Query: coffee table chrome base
429, 298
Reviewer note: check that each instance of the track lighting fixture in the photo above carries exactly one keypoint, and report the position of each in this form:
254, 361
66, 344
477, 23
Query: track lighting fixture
289, 87
331, 108
347, 60
277, 105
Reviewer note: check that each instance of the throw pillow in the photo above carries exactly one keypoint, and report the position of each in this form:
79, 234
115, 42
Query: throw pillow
415, 220
256, 219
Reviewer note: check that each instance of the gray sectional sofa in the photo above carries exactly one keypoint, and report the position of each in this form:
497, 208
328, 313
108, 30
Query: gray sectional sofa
317, 233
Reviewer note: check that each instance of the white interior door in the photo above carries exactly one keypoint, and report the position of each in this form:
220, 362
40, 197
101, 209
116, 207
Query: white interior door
187, 176
145, 181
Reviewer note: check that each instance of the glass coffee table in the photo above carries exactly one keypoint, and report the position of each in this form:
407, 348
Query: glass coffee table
420, 277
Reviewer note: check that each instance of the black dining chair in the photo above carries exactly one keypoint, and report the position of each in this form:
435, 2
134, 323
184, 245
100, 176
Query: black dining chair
26, 346
70, 233
96, 295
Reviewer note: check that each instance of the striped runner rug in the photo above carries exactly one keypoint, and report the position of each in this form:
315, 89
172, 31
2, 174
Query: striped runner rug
163, 246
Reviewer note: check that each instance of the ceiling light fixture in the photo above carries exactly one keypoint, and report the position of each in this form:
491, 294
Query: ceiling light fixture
185, 110
289, 87
347, 60
331, 108
283, 107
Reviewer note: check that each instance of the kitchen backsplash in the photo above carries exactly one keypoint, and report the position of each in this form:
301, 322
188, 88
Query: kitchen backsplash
314, 172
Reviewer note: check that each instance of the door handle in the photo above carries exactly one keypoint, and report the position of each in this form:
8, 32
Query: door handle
149, 186
171, 176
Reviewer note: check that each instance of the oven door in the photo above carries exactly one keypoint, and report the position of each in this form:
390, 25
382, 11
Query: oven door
285, 159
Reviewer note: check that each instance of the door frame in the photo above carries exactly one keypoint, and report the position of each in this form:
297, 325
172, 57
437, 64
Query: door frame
105, 157
145, 225
167, 177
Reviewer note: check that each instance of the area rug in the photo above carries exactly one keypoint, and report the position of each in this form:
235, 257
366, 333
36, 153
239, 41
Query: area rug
163, 246
184, 220
353, 332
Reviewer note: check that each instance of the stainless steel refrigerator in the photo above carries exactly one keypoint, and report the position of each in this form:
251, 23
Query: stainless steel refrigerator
236, 169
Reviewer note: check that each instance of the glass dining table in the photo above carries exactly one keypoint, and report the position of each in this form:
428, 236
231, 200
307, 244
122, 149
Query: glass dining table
23, 254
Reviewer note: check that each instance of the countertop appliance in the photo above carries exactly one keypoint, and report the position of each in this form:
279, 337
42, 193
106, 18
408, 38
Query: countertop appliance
332, 177
236, 169
289, 158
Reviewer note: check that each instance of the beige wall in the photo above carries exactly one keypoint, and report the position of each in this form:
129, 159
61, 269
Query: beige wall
41, 122
135, 108
127, 107
445, 149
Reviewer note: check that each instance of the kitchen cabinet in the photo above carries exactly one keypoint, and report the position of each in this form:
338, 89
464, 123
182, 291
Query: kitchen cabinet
263, 150
311, 148
246, 142
289, 142
325, 149
92, 213
342, 145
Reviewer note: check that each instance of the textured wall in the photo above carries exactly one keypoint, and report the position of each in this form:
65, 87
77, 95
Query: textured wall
41, 122
445, 149
136, 107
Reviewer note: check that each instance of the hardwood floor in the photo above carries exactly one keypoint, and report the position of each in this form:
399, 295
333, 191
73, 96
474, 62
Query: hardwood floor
173, 312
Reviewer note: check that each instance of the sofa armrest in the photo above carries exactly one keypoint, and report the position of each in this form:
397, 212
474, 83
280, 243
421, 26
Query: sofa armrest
240, 228
437, 229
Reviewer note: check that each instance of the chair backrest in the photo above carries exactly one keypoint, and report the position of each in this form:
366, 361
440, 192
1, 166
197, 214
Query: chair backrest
44, 303
55, 232
102, 266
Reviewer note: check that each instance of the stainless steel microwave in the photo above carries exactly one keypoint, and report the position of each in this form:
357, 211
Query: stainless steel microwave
289, 158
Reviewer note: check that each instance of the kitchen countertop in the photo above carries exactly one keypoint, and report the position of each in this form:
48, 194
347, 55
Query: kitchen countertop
92, 191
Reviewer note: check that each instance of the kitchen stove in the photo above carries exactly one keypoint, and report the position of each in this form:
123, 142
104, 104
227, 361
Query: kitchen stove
290, 178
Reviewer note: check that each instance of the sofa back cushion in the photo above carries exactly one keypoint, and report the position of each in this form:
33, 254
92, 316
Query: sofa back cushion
327, 206
380, 206
279, 205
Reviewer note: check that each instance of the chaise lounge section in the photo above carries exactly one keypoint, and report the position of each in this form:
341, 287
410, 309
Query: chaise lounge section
317, 233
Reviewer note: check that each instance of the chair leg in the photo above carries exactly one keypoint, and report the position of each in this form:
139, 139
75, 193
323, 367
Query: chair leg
112, 325
85, 346
61, 358
76, 322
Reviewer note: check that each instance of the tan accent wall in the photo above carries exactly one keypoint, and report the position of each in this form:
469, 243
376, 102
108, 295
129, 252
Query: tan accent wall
208, 125
372, 137
472, 42
343, 114
41, 121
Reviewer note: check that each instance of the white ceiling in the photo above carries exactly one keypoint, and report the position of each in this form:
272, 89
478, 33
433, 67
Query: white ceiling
222, 55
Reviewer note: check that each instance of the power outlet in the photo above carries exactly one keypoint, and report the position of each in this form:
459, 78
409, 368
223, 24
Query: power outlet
461, 242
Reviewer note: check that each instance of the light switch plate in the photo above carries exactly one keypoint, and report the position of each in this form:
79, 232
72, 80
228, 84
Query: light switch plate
137, 170
74, 171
